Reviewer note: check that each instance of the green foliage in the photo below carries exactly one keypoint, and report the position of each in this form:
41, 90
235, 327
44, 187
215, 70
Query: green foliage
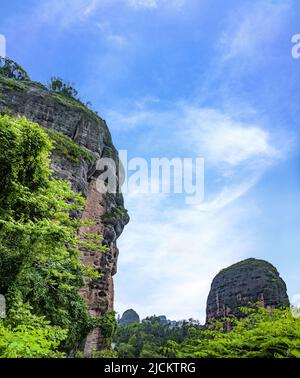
76, 104
11, 70
148, 338
12, 84
39, 258
126, 350
118, 212
14, 78
58, 85
108, 324
24, 335
261, 334
67, 90
66, 147
6, 111
106, 353
67, 95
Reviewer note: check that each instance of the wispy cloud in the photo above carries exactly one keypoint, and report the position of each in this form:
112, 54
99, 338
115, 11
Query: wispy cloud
250, 29
66, 13
175, 254
175, 251
143, 3
112, 37
222, 139
238, 152
156, 3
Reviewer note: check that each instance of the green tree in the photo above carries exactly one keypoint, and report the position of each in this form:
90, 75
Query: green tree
148, 338
11, 70
28, 336
126, 351
39, 258
262, 333
67, 89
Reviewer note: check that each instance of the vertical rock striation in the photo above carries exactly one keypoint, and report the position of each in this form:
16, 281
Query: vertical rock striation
244, 284
80, 138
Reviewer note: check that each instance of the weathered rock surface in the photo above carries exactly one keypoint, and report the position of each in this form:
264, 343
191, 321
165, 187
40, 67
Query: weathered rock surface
245, 283
82, 126
129, 317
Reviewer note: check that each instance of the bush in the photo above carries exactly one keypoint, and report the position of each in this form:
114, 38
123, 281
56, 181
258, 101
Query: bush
67, 89
39, 250
11, 70
261, 334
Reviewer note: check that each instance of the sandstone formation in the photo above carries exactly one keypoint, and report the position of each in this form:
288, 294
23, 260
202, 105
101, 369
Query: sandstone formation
80, 137
129, 317
243, 284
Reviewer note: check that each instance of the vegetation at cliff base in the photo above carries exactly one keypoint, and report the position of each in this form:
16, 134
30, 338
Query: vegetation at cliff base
260, 334
40, 269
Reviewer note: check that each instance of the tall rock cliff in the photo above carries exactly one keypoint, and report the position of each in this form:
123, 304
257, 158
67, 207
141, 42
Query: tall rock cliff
245, 283
80, 137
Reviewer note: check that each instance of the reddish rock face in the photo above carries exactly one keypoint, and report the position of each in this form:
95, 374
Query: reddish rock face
244, 284
105, 210
99, 295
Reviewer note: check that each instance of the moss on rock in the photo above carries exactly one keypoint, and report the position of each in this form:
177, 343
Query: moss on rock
66, 147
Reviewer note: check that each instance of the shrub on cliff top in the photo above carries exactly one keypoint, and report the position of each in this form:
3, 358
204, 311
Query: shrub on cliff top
58, 85
11, 70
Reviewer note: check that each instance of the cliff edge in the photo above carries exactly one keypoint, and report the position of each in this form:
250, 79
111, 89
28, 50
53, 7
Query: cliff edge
80, 138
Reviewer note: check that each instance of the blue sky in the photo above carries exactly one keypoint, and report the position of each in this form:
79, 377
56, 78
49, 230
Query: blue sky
184, 78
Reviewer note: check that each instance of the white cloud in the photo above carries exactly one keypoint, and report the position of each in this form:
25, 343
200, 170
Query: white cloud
235, 147
224, 140
174, 254
238, 152
175, 251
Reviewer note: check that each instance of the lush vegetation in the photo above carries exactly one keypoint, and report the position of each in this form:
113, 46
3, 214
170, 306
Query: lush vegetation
65, 93
11, 70
41, 272
148, 338
261, 333
40, 269
58, 85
